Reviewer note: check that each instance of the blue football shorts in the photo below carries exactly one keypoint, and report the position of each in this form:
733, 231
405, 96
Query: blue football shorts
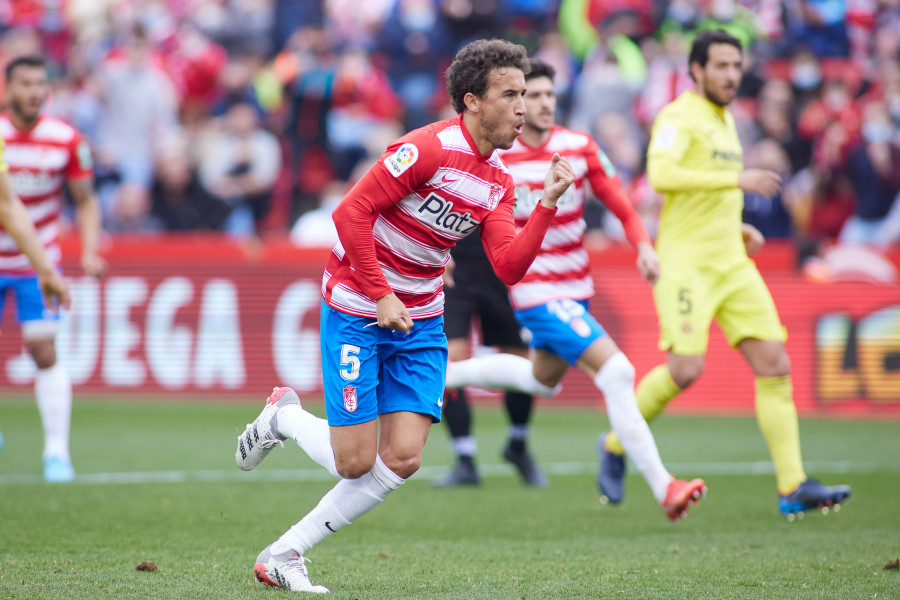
29, 300
368, 370
562, 327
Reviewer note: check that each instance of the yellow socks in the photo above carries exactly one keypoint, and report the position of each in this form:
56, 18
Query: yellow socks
777, 418
775, 414
653, 393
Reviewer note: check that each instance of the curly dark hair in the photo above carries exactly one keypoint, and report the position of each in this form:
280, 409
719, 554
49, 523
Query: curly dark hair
470, 68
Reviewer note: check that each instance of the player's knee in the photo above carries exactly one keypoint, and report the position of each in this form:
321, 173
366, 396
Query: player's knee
403, 465
777, 364
686, 372
44, 354
354, 467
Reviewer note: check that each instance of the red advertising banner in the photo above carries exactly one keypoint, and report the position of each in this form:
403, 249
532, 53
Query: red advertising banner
203, 316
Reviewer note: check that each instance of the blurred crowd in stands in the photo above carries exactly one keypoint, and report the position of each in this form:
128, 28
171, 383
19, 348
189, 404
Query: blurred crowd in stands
253, 117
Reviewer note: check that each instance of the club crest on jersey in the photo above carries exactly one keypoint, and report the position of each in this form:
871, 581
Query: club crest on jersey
350, 398
440, 212
405, 157
495, 195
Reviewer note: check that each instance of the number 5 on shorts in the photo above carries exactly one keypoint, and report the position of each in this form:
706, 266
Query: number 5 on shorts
349, 362
684, 301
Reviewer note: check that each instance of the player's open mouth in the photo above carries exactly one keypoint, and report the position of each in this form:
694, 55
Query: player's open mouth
519, 129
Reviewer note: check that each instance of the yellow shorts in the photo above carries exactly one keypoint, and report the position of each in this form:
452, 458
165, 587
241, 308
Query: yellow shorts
687, 300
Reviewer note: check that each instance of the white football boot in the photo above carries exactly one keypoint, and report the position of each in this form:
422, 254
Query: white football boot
286, 570
262, 435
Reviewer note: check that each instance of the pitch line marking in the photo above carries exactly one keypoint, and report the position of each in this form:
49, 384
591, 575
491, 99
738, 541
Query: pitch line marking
487, 470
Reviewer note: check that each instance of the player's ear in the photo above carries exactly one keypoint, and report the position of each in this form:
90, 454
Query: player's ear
472, 102
695, 69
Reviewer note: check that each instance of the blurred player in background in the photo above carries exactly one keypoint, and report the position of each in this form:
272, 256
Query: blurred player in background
551, 301
43, 153
695, 160
15, 223
384, 352
471, 289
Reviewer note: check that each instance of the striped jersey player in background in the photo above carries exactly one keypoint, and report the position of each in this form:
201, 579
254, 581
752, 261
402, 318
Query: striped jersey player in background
43, 153
473, 290
551, 301
384, 352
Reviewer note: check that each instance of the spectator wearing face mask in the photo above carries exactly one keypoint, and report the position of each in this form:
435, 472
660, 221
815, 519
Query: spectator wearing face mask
835, 105
805, 75
873, 168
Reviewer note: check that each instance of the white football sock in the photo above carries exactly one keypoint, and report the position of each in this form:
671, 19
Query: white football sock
465, 445
497, 371
53, 390
346, 502
616, 381
518, 432
310, 432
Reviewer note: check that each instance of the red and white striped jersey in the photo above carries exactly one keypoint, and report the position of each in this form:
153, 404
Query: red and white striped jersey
41, 159
431, 188
561, 269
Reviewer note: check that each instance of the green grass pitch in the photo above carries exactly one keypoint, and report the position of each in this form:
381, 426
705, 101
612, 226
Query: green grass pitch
157, 482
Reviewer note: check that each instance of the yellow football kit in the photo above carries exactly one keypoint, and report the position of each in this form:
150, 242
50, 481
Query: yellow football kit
694, 160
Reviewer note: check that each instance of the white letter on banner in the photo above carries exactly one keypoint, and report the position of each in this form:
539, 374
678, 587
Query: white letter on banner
20, 368
168, 345
220, 354
295, 350
122, 336
78, 341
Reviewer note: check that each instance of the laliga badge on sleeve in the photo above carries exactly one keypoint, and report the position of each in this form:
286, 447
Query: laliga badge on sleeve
665, 137
401, 160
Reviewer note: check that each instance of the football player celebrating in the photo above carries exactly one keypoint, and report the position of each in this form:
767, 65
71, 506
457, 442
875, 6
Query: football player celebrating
384, 352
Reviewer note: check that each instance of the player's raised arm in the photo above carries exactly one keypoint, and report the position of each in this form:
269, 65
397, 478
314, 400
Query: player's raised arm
558, 179
18, 225
511, 254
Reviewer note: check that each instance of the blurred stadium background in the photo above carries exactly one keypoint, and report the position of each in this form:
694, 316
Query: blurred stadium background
224, 131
